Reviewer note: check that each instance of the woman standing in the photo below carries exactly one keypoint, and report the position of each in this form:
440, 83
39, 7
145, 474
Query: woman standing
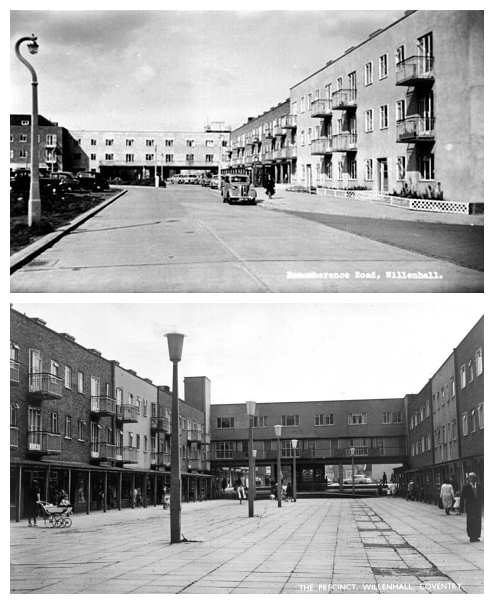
447, 496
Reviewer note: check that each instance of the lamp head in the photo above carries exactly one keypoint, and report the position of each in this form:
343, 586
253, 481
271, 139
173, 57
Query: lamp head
175, 344
277, 430
33, 46
251, 407
294, 443
254, 453
352, 451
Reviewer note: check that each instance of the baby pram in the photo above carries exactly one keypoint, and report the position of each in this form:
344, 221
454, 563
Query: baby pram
58, 516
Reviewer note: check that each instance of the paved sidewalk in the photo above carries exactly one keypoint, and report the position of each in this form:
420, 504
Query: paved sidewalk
303, 202
382, 545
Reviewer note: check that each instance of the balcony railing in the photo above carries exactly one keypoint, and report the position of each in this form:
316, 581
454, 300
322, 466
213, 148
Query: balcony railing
127, 413
255, 138
344, 99
321, 146
278, 131
288, 122
321, 108
14, 436
346, 141
414, 70
268, 133
14, 371
328, 453
129, 454
160, 459
415, 128
45, 386
160, 424
44, 443
196, 464
194, 436
267, 155
103, 451
103, 405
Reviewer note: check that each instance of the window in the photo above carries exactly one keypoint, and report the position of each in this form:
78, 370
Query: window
352, 80
400, 54
368, 77
209, 143
324, 419
54, 422
357, 418
353, 169
138, 441
14, 414
23, 153
68, 426
224, 450
225, 422
189, 143
464, 419
209, 158
144, 408
189, 157
259, 421
145, 444
400, 110
463, 376
470, 372
339, 83
169, 142
452, 387
80, 382
129, 142
93, 156
290, 420
68, 377
369, 120
51, 139
24, 122
480, 411
149, 156
383, 66
392, 417
427, 408
54, 368
109, 156
169, 158
93, 142
109, 142
369, 171
400, 168
129, 158
424, 51
149, 142
479, 367
426, 166
14, 352
340, 169
301, 106
383, 117
473, 422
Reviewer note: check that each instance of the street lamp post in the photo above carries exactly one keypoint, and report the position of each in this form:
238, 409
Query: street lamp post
34, 204
175, 345
251, 411
294, 481
277, 431
352, 453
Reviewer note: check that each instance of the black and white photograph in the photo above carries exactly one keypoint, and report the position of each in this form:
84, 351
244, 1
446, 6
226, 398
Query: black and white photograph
247, 448
275, 151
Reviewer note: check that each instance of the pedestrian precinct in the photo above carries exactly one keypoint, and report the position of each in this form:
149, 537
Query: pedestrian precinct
447, 496
472, 501
33, 499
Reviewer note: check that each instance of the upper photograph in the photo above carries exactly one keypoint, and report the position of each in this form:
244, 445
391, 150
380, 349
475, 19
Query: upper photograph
247, 151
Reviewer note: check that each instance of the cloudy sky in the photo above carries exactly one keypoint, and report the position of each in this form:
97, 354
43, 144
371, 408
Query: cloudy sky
148, 70
278, 351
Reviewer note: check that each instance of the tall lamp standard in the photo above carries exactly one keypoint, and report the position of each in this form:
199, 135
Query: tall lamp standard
175, 345
277, 431
294, 481
352, 453
251, 412
34, 204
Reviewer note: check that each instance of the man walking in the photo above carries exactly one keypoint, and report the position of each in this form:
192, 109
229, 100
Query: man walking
472, 501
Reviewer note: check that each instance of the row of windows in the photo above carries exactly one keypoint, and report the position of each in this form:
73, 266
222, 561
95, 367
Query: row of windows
424, 50
473, 421
49, 154
150, 142
130, 157
50, 139
422, 445
474, 368
322, 419
422, 413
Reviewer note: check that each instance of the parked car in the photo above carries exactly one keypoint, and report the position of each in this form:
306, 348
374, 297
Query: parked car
359, 479
92, 181
67, 181
237, 188
213, 183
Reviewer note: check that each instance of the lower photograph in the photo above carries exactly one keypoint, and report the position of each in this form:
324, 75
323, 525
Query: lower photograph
250, 448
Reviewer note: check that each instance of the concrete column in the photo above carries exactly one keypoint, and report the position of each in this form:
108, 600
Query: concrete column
18, 510
88, 502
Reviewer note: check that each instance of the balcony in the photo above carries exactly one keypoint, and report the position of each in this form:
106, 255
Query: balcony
103, 405
195, 464
129, 455
280, 153
267, 156
321, 146
344, 99
415, 129
415, 70
194, 436
255, 138
255, 157
160, 424
278, 131
321, 108
45, 386
268, 134
14, 371
161, 459
346, 141
127, 413
43, 443
103, 451
14, 437
289, 122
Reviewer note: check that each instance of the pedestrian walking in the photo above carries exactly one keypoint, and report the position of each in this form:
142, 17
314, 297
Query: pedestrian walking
269, 186
224, 484
164, 498
472, 501
447, 496
239, 487
33, 499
